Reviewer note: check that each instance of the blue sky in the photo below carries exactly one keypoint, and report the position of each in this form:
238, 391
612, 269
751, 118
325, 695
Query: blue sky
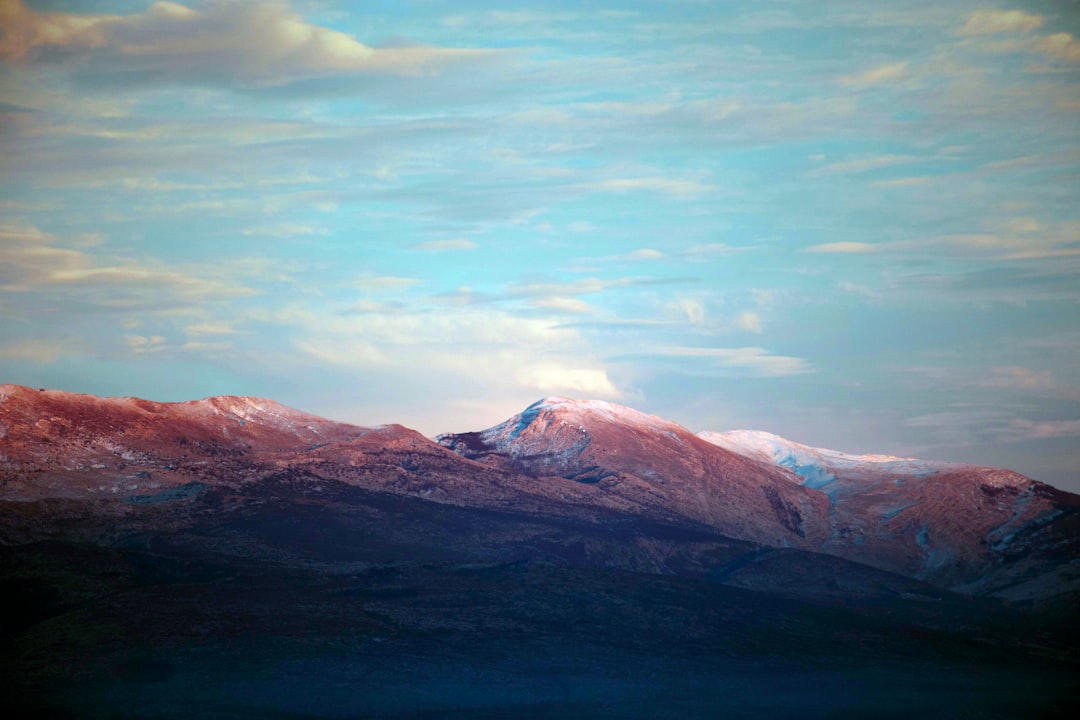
853, 224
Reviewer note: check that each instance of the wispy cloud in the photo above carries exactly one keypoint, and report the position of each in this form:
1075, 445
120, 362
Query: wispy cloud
251, 44
749, 320
903, 182
842, 247
444, 245
992, 22
875, 76
1021, 239
32, 262
750, 361
864, 164
671, 186
1023, 429
591, 264
34, 350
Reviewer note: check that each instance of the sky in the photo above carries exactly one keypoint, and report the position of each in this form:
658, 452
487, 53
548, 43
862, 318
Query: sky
854, 224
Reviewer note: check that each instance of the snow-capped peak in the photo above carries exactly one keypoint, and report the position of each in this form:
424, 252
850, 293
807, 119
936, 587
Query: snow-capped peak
582, 410
817, 467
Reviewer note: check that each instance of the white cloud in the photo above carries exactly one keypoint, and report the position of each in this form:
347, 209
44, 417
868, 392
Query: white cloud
563, 304
443, 245
749, 320
752, 361
842, 247
1059, 46
644, 254
690, 309
31, 262
145, 344
856, 289
1022, 429
211, 328
284, 230
585, 286
903, 182
858, 165
42, 351
591, 264
506, 353
1025, 240
990, 22
253, 44
385, 282
671, 186
1019, 378
875, 76
556, 378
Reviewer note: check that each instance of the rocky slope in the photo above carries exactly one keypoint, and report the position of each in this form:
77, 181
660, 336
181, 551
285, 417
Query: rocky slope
975, 529
652, 463
231, 557
972, 529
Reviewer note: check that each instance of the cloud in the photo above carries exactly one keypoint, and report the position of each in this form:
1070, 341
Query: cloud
748, 320
284, 230
563, 304
254, 44
1059, 46
1022, 429
506, 353
590, 264
211, 328
859, 290
858, 165
842, 247
144, 344
584, 286
1016, 379
444, 245
1014, 285
745, 361
33, 350
671, 186
31, 262
692, 310
903, 182
875, 76
1019, 378
990, 22
644, 254
553, 378
1021, 239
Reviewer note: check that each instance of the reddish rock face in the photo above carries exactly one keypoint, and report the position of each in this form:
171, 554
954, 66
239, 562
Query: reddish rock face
64, 444
649, 464
979, 530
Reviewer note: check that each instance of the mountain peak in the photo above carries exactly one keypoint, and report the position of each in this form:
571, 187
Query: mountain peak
589, 411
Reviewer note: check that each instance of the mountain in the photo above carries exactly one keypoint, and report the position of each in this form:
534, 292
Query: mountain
651, 464
974, 529
971, 529
232, 557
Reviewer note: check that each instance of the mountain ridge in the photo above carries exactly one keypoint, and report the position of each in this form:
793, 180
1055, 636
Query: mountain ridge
242, 558
978, 530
